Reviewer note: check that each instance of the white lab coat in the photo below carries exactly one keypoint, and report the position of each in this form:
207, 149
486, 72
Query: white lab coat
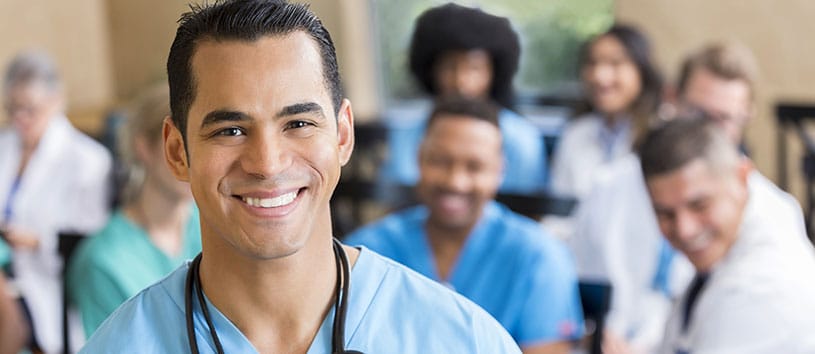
617, 239
580, 154
65, 187
761, 297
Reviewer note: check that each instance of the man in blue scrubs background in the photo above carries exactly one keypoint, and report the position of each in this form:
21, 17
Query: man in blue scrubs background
260, 130
501, 260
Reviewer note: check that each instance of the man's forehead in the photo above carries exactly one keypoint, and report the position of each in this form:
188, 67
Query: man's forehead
706, 88
279, 65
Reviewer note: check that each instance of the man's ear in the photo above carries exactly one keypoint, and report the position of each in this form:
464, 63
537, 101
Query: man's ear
345, 131
175, 151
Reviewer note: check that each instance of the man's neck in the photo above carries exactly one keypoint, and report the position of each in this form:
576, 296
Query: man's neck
279, 304
446, 244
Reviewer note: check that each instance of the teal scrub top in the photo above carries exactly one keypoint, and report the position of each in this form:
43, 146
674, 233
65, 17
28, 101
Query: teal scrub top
5, 254
118, 262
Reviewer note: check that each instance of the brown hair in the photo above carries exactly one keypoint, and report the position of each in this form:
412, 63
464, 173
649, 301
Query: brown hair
728, 60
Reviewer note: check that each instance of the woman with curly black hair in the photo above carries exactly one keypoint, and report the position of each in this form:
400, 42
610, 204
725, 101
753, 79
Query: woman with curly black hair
457, 50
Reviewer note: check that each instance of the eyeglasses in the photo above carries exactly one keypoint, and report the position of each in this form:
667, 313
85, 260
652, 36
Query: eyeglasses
21, 109
693, 111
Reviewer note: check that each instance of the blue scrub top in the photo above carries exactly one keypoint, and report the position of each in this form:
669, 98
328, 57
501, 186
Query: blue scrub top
391, 309
509, 265
524, 152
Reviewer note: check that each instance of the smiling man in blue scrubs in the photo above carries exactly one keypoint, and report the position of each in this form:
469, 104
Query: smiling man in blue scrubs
260, 131
503, 261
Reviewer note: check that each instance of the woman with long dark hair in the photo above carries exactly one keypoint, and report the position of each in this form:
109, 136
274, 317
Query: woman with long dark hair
623, 89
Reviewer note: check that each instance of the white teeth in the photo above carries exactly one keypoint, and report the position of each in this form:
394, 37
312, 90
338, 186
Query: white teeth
278, 201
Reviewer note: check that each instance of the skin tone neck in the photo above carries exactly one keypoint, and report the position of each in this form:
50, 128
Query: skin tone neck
446, 244
278, 304
162, 215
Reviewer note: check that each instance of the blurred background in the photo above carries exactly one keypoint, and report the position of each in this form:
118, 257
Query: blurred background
108, 50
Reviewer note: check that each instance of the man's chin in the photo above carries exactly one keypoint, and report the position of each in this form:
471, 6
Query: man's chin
452, 223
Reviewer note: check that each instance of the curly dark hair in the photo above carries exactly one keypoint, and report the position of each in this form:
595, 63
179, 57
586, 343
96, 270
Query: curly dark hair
452, 27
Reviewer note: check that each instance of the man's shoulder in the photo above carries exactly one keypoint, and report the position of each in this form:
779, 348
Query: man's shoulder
156, 313
513, 123
390, 228
426, 310
519, 233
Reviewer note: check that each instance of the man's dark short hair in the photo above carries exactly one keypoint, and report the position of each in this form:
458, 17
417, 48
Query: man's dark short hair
672, 145
452, 27
477, 109
241, 20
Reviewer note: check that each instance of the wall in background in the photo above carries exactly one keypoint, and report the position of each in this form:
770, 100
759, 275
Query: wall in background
76, 34
140, 36
777, 31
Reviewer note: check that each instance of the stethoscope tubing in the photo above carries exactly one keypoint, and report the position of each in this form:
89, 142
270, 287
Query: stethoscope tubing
193, 284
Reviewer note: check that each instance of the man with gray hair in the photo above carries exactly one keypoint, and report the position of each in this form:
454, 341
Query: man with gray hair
753, 291
53, 179
623, 245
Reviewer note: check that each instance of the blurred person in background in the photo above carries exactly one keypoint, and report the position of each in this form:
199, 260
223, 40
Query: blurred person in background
13, 328
624, 90
460, 237
53, 179
753, 291
623, 245
151, 235
260, 130
457, 50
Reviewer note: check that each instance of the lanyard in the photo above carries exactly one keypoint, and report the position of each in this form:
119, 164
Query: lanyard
193, 284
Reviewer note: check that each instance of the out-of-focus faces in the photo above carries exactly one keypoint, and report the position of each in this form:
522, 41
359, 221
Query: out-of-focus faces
265, 146
700, 208
727, 102
610, 76
460, 164
30, 107
466, 73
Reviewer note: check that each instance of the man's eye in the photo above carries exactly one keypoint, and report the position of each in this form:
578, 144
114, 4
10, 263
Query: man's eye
298, 124
231, 131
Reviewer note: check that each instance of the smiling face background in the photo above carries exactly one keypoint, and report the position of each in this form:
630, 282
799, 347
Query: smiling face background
699, 209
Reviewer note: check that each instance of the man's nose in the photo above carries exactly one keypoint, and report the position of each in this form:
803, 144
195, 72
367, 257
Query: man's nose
264, 156
686, 226
457, 180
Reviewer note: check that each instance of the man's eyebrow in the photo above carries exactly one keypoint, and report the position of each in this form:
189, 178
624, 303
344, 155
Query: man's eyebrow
223, 115
298, 108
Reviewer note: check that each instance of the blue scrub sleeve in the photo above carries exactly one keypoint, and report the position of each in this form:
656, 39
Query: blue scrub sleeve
552, 311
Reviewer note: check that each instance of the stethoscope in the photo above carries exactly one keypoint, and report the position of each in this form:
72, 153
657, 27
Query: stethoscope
340, 304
